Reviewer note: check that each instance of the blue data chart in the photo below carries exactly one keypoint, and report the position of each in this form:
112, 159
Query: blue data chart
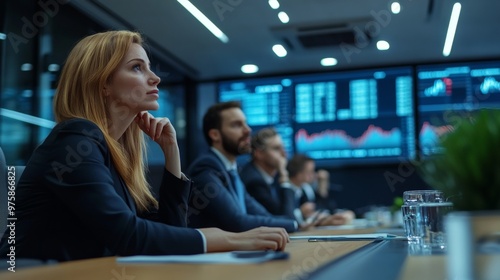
489, 85
430, 136
338, 144
372, 137
440, 87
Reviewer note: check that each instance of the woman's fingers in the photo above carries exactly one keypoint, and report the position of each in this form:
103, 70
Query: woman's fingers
153, 127
162, 125
145, 121
158, 129
262, 238
142, 120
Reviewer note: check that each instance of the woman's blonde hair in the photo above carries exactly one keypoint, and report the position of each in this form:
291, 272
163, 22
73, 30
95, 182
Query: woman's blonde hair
80, 94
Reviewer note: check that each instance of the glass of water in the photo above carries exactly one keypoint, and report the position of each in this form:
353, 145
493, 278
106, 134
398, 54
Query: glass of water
430, 229
420, 196
409, 212
412, 199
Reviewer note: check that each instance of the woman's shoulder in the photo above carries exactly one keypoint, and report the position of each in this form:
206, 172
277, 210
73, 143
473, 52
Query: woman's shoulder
79, 127
76, 123
69, 141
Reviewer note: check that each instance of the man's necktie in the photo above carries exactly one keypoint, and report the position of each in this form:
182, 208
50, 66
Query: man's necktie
239, 187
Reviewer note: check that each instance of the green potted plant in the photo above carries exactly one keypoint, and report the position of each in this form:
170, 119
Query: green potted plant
468, 172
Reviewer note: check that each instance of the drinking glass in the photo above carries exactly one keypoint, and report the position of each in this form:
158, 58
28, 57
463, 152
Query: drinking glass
420, 196
412, 199
430, 229
409, 212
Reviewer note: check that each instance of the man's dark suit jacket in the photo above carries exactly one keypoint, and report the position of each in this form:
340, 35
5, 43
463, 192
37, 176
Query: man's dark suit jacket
326, 203
276, 199
214, 202
72, 204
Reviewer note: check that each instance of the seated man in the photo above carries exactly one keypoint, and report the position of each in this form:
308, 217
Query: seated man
315, 201
219, 198
265, 176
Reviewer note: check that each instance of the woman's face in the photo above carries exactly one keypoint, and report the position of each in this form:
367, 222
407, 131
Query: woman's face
133, 87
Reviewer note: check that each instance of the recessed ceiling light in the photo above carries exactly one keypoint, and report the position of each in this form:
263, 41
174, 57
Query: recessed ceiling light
279, 50
329, 61
249, 68
452, 28
3, 36
274, 4
283, 17
395, 8
53, 67
25, 67
383, 45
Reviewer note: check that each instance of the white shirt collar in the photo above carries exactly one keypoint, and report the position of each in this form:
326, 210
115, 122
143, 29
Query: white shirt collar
268, 178
227, 164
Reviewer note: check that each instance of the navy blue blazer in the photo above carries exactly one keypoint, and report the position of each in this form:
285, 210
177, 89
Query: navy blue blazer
326, 203
276, 199
72, 204
214, 202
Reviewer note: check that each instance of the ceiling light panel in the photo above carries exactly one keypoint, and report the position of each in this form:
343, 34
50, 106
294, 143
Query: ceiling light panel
204, 20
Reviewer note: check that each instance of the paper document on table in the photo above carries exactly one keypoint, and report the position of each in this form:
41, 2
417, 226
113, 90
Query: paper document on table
347, 237
338, 227
237, 257
355, 224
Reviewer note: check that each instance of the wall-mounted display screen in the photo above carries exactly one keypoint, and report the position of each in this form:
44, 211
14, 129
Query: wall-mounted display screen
344, 118
355, 117
447, 92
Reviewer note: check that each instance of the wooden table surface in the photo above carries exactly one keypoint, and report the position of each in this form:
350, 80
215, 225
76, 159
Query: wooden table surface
304, 257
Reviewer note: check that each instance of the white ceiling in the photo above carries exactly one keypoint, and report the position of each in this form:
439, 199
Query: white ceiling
416, 35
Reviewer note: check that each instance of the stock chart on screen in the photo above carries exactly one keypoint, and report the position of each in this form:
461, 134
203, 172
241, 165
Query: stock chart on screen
448, 92
357, 117
343, 118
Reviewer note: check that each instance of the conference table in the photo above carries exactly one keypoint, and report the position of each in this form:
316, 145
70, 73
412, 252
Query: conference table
363, 259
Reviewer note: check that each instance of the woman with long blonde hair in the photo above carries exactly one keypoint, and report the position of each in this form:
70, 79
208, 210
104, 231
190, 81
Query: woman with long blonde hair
83, 193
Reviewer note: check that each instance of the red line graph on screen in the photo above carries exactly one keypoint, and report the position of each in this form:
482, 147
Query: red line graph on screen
372, 137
